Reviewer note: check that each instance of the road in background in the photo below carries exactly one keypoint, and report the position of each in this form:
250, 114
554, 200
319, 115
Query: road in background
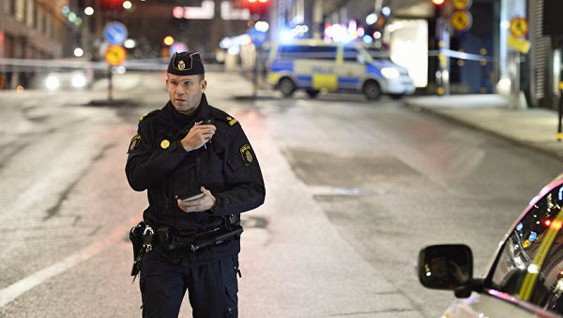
354, 190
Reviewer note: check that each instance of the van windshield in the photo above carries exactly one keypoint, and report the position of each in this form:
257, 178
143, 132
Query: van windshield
377, 54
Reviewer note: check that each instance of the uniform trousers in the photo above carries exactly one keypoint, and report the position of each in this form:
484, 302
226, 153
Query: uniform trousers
212, 287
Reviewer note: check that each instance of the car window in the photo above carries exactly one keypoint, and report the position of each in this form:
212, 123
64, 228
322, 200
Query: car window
307, 52
530, 265
350, 54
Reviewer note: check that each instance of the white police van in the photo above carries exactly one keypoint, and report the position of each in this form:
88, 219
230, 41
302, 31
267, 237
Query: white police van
314, 66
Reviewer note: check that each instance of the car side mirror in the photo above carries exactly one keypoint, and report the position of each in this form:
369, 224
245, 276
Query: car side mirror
445, 267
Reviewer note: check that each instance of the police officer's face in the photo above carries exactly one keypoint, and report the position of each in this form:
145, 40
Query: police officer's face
185, 91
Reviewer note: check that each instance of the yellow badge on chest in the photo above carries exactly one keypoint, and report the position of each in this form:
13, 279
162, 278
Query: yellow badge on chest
164, 144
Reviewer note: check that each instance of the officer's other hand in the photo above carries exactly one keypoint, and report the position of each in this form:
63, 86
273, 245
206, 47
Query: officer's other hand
206, 202
198, 136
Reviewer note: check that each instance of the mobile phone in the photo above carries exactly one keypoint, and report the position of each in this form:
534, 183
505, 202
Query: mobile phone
193, 197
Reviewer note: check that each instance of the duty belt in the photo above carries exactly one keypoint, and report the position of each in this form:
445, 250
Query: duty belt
174, 240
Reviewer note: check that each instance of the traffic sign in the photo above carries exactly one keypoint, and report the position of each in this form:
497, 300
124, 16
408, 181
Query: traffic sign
115, 33
520, 45
462, 4
518, 27
115, 55
461, 20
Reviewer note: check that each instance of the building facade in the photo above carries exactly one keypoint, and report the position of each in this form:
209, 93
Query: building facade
30, 29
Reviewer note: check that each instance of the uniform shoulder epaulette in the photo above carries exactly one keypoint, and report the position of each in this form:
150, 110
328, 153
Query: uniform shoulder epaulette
223, 116
149, 114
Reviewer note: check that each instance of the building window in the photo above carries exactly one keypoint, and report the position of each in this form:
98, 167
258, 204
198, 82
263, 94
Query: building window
20, 10
30, 14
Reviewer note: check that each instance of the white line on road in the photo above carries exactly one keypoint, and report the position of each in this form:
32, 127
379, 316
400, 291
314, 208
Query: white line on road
15, 290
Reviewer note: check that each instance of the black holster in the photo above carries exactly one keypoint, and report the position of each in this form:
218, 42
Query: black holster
136, 238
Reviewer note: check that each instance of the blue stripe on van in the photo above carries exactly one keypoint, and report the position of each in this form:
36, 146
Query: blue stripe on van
304, 80
280, 65
348, 82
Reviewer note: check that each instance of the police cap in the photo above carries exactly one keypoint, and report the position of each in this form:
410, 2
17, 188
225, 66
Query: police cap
186, 63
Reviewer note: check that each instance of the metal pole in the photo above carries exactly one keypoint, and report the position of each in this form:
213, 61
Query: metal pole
557, 76
255, 74
559, 128
443, 37
110, 83
317, 19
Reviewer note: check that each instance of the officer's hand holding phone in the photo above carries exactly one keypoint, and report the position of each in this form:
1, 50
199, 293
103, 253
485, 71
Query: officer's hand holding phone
199, 203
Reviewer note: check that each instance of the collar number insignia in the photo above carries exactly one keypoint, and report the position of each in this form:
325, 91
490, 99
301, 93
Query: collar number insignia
247, 155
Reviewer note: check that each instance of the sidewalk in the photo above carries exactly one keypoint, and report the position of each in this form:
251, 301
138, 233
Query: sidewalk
533, 127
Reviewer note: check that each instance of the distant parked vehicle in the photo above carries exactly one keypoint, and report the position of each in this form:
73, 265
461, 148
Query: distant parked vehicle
315, 66
75, 79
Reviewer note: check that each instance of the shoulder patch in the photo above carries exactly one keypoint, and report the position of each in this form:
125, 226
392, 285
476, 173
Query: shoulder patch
247, 154
134, 143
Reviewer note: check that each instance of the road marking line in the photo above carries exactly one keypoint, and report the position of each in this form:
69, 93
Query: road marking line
15, 290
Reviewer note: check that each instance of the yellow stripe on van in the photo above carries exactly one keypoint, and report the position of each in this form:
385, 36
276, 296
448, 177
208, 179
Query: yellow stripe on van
273, 78
325, 81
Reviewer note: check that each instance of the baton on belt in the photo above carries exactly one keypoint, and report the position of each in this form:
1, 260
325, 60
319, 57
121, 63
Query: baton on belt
216, 240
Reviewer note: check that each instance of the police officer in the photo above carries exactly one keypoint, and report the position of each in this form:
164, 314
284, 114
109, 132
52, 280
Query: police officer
200, 173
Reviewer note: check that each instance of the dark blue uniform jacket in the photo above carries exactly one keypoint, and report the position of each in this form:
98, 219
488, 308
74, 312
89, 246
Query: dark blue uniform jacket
227, 166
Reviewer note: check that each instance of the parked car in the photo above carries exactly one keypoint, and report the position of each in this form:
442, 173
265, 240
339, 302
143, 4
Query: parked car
63, 80
525, 277
315, 66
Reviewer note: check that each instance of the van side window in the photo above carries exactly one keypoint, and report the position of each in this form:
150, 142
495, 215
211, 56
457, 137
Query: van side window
351, 54
530, 266
293, 52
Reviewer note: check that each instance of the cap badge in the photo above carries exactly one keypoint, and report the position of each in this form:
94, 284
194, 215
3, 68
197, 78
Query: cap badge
181, 65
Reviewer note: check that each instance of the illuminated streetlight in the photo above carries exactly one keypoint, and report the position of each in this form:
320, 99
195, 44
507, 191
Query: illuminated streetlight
371, 19
130, 43
262, 26
168, 40
78, 52
88, 11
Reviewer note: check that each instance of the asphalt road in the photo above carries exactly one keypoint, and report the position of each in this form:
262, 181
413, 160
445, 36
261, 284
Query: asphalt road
355, 189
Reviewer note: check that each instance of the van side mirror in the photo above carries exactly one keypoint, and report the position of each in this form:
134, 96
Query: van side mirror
445, 267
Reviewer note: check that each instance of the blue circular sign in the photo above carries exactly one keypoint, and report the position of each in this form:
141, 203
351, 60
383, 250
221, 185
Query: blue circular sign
115, 33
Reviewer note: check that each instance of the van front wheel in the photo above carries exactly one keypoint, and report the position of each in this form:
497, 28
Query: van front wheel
371, 90
287, 87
